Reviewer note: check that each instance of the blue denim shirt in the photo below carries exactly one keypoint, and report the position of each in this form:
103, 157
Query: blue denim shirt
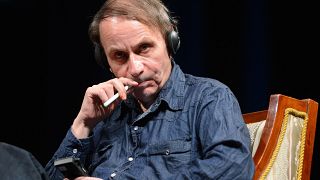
194, 130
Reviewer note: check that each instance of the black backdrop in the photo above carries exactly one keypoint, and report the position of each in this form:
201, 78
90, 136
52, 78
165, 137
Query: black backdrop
257, 48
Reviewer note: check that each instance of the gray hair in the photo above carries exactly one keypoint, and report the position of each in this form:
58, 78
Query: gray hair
152, 13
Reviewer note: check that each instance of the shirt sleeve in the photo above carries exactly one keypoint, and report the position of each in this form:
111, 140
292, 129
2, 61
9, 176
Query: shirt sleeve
70, 147
224, 140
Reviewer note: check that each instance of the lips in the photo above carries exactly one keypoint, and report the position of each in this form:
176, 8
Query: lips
143, 84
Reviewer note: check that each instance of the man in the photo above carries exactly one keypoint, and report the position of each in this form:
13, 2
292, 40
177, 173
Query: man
19, 164
168, 125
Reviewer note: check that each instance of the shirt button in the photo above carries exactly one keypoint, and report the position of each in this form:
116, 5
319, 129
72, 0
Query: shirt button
130, 159
167, 152
136, 128
113, 175
75, 151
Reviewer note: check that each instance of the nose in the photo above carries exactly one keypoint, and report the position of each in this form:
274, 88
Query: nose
135, 65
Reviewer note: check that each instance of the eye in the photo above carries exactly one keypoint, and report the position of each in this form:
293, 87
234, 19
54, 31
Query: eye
119, 55
144, 47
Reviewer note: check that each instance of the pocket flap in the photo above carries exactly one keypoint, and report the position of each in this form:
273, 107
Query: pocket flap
169, 147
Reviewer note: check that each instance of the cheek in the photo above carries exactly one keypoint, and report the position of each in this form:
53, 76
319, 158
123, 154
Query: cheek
118, 71
156, 68
164, 66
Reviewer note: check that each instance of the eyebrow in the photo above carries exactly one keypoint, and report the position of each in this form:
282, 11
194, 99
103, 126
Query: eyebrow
143, 40
113, 49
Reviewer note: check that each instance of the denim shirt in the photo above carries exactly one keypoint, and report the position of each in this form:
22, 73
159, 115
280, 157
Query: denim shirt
194, 130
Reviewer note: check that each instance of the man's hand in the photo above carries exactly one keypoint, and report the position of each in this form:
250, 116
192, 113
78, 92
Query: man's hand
92, 110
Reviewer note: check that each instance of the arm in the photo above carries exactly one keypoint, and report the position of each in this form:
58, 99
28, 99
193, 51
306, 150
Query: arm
70, 146
92, 110
77, 142
224, 140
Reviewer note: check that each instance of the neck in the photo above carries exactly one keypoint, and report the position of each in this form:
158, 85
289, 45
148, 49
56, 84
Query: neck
143, 108
145, 105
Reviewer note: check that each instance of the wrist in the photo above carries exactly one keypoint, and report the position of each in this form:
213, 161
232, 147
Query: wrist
80, 130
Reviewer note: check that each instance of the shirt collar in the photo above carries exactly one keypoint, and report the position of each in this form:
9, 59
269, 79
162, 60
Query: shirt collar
172, 93
174, 89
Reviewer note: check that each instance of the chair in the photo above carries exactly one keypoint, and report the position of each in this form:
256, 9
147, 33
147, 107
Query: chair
282, 138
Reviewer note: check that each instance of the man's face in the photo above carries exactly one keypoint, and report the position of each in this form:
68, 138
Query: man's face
137, 52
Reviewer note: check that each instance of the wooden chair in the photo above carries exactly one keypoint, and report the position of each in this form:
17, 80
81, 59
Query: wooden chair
282, 138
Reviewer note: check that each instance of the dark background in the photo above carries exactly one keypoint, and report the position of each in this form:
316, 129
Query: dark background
256, 47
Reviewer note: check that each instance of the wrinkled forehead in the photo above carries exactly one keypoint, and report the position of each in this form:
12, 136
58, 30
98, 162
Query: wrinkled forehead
134, 21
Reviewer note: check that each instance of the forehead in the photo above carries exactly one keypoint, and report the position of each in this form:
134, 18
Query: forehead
123, 24
122, 27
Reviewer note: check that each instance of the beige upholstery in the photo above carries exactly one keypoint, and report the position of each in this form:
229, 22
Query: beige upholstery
255, 130
282, 138
290, 142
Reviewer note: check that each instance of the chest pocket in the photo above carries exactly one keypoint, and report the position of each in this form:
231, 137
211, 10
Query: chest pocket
173, 153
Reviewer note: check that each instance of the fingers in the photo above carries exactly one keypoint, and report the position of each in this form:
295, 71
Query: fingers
108, 89
119, 85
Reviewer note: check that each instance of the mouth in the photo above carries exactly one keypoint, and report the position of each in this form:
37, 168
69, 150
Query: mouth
143, 84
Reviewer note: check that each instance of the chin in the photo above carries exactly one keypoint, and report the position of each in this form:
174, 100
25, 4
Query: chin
146, 93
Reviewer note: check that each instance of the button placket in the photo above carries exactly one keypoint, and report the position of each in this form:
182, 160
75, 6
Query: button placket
167, 152
130, 159
136, 128
113, 175
74, 151
134, 137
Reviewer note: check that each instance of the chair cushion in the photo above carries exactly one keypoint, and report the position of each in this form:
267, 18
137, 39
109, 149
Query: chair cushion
286, 162
255, 130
